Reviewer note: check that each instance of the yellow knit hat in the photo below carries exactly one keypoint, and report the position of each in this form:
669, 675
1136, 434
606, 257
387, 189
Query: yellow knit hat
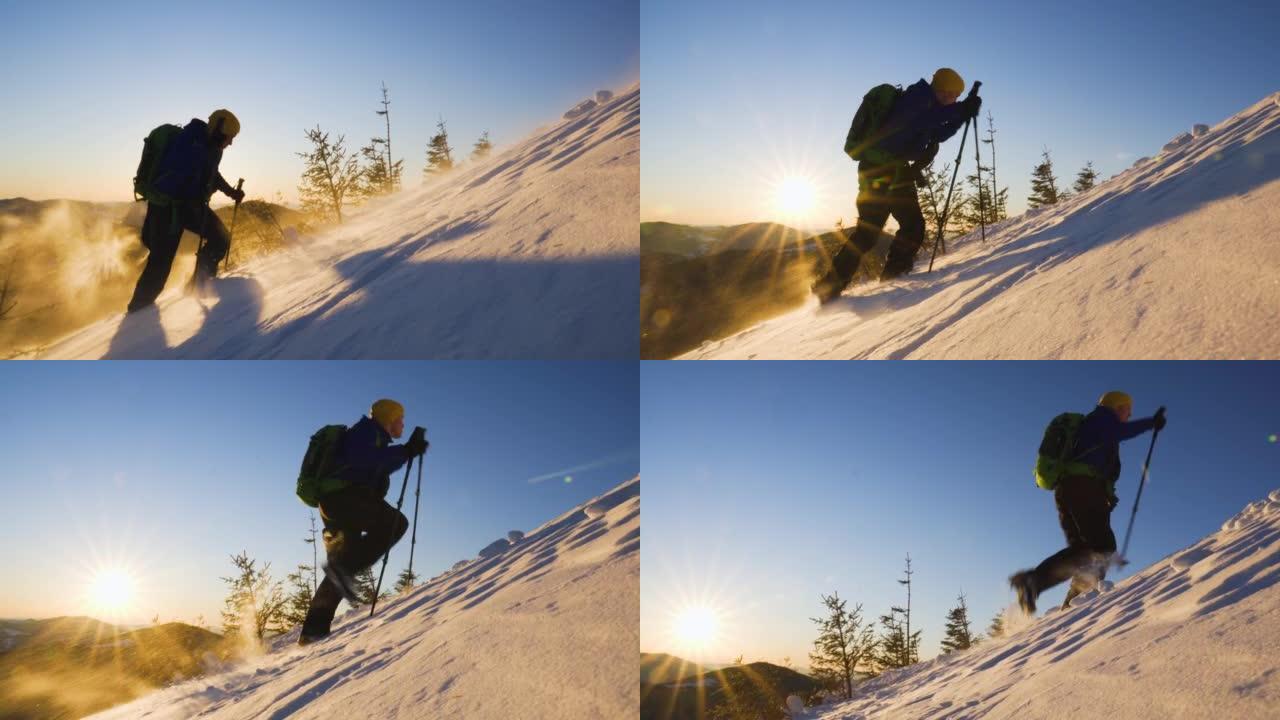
230, 124
385, 412
1116, 400
948, 80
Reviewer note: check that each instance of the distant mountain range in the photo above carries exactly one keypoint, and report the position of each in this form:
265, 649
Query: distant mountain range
73, 666
704, 283
672, 688
689, 241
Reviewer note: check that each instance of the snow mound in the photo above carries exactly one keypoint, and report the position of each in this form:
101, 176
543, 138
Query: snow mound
531, 253
1176, 142
547, 629
514, 536
1173, 258
1192, 636
1199, 129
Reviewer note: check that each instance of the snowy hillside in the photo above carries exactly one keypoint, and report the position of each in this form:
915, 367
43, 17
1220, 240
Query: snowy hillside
547, 629
532, 253
1177, 257
1192, 636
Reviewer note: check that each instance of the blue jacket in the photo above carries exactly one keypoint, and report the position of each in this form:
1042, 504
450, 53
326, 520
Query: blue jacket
1098, 441
188, 171
916, 120
368, 458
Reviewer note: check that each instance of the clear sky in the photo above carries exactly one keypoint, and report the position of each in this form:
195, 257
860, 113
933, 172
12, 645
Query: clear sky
168, 468
740, 94
768, 484
85, 81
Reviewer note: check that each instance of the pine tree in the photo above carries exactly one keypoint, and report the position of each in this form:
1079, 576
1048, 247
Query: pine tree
937, 183
1086, 178
957, 635
481, 149
329, 175
315, 555
439, 154
1000, 210
253, 598
899, 647
394, 168
1044, 186
891, 648
406, 582
301, 590
980, 207
366, 584
843, 642
996, 628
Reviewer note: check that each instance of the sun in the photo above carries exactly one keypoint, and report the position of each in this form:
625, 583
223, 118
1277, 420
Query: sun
696, 626
795, 196
111, 590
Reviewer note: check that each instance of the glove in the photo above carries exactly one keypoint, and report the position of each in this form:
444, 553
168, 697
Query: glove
1159, 419
417, 444
236, 195
930, 152
916, 172
971, 105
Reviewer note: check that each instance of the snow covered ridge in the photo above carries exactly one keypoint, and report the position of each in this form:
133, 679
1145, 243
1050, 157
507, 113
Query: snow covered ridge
547, 629
1176, 257
531, 253
1192, 636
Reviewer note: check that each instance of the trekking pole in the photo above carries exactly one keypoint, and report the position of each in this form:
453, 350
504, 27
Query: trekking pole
232, 234
946, 207
977, 156
373, 604
1125, 550
413, 539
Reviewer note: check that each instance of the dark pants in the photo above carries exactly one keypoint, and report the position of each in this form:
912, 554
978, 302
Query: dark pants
160, 235
882, 192
1084, 511
359, 528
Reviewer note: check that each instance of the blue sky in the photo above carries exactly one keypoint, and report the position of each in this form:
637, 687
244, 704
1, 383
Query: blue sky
738, 94
169, 468
85, 81
767, 484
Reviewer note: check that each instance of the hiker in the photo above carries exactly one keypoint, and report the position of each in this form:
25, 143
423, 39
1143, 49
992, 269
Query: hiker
890, 164
359, 525
178, 192
1085, 496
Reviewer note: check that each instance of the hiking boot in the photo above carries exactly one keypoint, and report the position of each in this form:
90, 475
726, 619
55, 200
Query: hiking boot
1024, 584
828, 288
344, 582
307, 638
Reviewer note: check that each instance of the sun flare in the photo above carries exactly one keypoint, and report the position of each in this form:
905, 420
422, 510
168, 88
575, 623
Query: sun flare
795, 196
111, 590
697, 626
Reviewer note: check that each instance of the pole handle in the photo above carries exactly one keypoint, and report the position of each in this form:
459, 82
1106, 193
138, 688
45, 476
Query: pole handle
976, 84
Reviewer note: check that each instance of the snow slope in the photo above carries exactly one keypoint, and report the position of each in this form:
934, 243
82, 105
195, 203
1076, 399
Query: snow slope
548, 629
532, 253
1177, 257
1192, 636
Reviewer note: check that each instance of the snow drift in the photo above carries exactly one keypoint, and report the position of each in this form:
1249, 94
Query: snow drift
1192, 636
1176, 257
548, 629
532, 253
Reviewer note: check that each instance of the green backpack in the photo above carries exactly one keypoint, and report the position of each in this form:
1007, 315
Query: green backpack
154, 146
320, 473
864, 133
1057, 457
